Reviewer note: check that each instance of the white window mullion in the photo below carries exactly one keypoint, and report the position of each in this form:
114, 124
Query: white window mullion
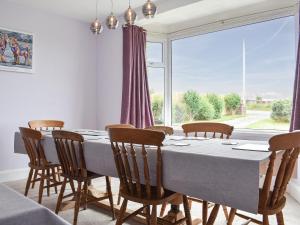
168, 83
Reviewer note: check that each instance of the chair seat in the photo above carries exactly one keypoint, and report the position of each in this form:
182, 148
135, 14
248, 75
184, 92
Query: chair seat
90, 176
40, 167
143, 199
271, 210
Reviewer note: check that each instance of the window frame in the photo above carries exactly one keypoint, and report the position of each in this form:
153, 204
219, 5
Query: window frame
163, 64
166, 39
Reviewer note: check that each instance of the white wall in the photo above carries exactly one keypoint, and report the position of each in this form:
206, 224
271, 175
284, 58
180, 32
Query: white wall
110, 73
63, 86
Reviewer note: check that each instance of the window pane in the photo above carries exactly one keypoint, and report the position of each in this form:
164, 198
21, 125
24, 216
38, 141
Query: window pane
154, 52
156, 84
207, 76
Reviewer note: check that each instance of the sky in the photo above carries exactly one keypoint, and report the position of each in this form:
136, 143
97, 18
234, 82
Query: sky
213, 62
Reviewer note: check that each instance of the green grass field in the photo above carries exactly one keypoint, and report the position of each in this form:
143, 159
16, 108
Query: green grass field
269, 124
259, 107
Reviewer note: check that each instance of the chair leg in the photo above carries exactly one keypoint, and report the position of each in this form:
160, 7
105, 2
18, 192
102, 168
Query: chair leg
225, 212
213, 215
187, 210
119, 199
265, 220
204, 212
122, 212
279, 217
34, 177
153, 219
231, 216
54, 179
41, 188
61, 195
148, 216
77, 203
85, 194
119, 196
58, 173
48, 181
28, 181
163, 209
110, 196
72, 185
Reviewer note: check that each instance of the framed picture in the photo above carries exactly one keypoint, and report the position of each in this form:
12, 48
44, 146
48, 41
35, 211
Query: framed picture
16, 51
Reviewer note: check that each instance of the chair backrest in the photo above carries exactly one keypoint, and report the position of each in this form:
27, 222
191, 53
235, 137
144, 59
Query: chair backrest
289, 144
46, 124
208, 127
165, 129
118, 126
70, 152
128, 145
34, 148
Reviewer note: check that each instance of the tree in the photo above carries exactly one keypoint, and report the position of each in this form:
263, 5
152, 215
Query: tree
232, 103
258, 99
157, 103
192, 101
205, 111
179, 112
281, 110
198, 107
218, 104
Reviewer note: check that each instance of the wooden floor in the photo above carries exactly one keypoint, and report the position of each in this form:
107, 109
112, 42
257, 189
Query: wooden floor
95, 216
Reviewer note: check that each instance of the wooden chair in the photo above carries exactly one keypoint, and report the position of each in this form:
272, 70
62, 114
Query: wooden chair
70, 153
107, 127
222, 129
137, 184
46, 124
272, 199
167, 130
214, 130
38, 164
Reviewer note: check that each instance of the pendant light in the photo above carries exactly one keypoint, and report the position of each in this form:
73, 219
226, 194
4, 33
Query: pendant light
149, 9
96, 26
112, 21
130, 15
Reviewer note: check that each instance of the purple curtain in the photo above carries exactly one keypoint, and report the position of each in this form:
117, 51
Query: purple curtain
136, 106
295, 122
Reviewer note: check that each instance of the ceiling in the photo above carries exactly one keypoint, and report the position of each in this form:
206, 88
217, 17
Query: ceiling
83, 10
172, 15
209, 11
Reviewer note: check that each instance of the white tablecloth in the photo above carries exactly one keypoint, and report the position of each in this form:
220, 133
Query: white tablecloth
206, 169
15, 209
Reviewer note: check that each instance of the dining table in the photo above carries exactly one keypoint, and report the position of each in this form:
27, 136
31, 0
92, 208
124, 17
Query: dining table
221, 171
16, 209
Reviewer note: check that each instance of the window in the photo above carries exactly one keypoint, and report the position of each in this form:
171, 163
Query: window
242, 76
156, 79
154, 52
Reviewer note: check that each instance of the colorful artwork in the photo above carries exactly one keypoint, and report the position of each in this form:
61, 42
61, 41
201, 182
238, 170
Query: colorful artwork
16, 51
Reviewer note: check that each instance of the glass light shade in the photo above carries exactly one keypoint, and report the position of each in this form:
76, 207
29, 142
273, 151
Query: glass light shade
112, 21
96, 27
149, 9
130, 16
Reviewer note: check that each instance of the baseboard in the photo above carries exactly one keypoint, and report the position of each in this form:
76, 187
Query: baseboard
12, 175
294, 190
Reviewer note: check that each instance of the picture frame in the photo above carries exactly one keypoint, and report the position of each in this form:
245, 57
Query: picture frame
16, 51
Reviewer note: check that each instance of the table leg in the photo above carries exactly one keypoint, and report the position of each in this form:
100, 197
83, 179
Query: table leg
213, 215
176, 214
